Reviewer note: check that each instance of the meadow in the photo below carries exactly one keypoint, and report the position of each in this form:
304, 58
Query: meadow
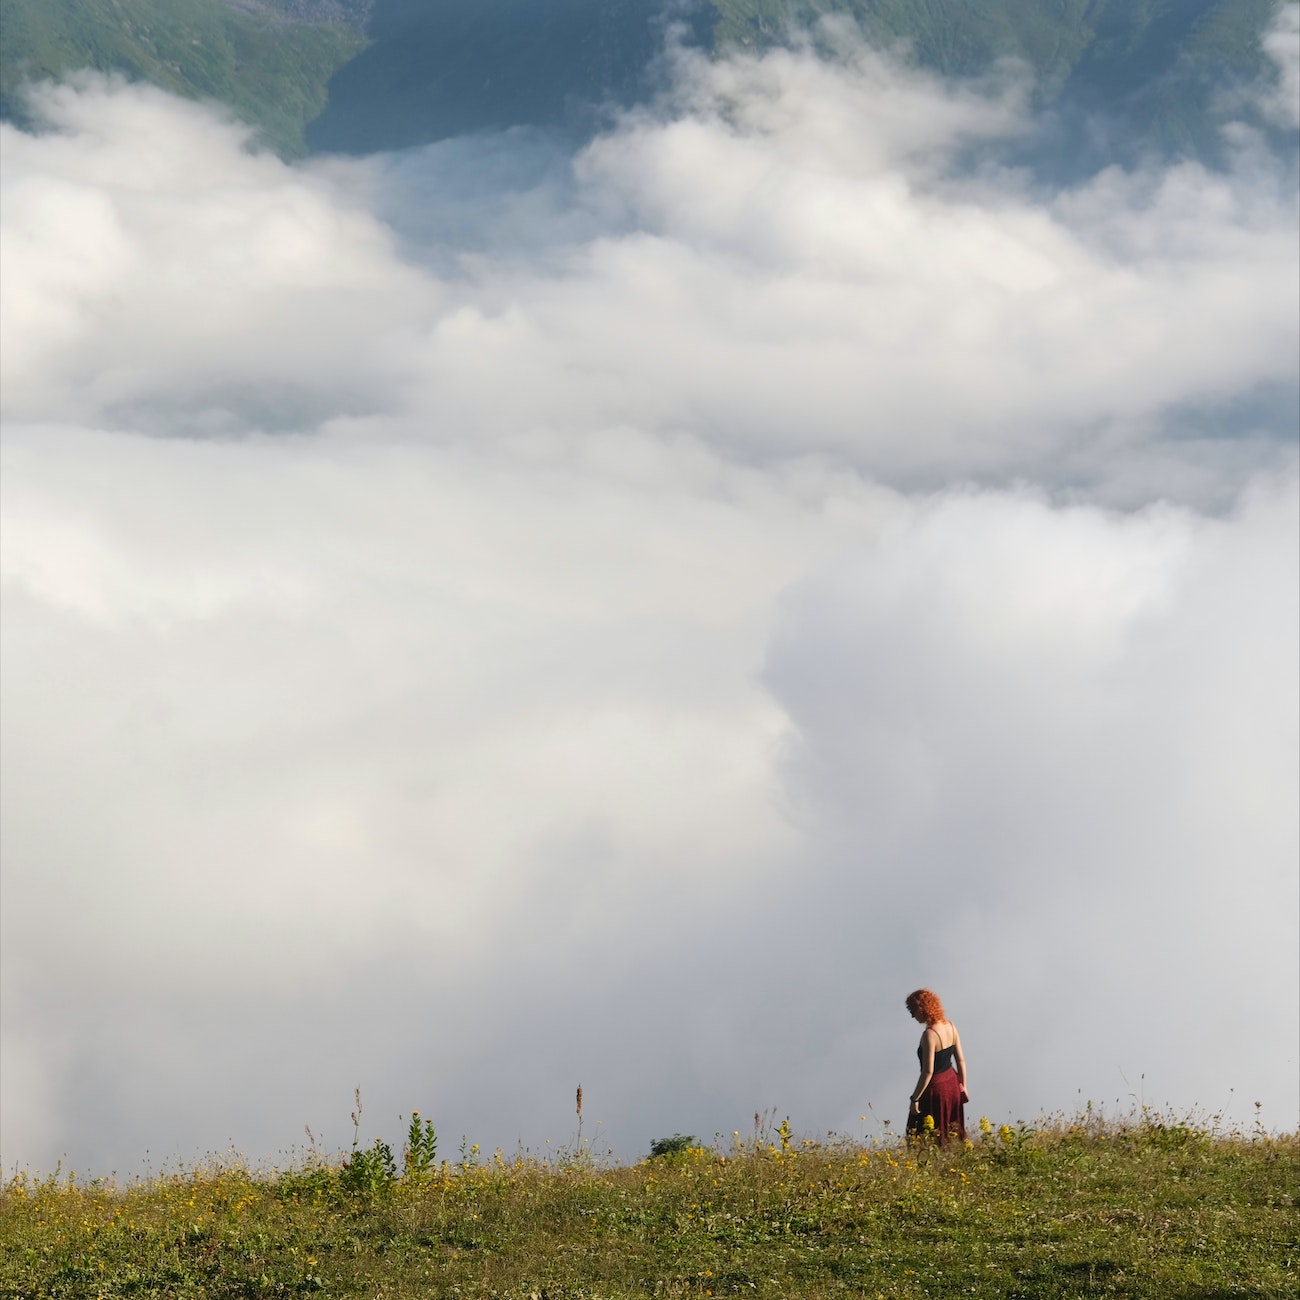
1148, 1206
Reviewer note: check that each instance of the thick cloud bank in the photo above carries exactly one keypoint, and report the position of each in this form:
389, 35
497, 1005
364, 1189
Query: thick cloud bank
480, 620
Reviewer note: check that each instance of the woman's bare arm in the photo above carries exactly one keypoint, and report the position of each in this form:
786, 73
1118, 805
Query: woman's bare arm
927, 1066
961, 1060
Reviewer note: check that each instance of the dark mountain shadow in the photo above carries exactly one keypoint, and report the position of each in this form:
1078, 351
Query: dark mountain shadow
1146, 84
443, 68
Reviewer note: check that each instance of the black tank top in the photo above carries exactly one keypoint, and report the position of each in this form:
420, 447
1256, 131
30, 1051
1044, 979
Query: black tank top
944, 1058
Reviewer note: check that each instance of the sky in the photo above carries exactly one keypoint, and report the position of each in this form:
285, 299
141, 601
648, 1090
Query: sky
505, 616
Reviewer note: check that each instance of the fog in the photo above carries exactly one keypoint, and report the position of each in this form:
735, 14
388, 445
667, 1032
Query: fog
499, 616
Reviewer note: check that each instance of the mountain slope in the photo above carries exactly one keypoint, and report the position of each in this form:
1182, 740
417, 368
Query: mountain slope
255, 58
1121, 77
1118, 78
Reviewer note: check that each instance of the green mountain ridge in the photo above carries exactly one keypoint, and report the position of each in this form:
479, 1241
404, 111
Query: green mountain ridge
1116, 79
270, 62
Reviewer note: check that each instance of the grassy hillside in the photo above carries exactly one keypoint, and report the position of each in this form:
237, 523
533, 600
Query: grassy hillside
272, 72
1153, 1209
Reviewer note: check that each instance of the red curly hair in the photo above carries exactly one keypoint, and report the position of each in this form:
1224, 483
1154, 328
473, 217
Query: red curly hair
926, 1004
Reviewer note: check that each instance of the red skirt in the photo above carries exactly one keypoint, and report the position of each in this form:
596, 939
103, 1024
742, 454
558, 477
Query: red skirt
942, 1101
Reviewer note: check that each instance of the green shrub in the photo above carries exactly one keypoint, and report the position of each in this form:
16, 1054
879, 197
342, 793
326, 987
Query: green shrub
369, 1171
677, 1145
421, 1148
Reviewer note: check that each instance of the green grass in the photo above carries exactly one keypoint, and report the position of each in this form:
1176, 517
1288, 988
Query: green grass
1153, 1208
274, 75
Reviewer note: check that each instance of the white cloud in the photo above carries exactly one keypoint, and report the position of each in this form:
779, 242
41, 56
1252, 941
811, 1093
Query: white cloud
778, 270
1072, 732
1282, 45
567, 631
149, 260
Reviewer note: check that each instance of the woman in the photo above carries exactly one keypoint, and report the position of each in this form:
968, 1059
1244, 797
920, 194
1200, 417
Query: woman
940, 1091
